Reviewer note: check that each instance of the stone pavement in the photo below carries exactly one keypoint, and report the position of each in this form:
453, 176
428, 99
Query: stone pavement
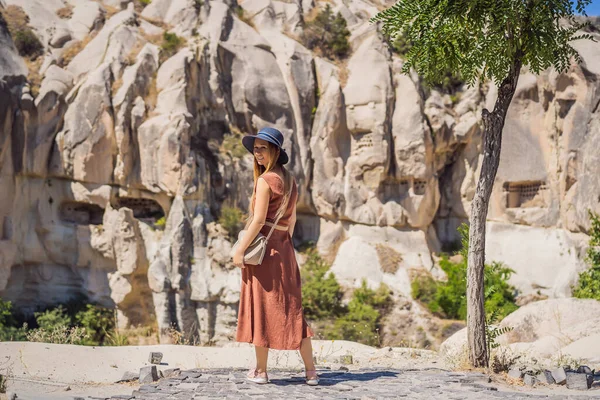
363, 384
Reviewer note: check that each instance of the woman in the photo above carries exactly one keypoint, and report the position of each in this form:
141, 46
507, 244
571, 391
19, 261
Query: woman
270, 314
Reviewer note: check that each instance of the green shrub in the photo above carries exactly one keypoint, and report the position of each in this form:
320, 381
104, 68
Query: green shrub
52, 318
160, 223
28, 44
424, 288
8, 324
588, 286
448, 298
97, 321
232, 219
327, 34
171, 43
400, 44
232, 143
361, 319
322, 302
321, 293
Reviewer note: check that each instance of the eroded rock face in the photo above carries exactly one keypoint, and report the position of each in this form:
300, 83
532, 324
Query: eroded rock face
114, 170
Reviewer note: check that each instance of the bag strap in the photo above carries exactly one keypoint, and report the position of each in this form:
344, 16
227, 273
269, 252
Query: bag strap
284, 207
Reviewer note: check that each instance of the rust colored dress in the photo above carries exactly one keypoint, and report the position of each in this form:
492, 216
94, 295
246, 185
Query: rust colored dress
270, 312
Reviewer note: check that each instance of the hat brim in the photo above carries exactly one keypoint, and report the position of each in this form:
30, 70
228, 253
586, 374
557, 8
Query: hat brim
248, 142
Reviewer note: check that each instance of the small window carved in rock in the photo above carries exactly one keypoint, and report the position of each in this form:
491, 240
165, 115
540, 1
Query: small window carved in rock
362, 142
393, 190
81, 213
525, 194
144, 209
419, 186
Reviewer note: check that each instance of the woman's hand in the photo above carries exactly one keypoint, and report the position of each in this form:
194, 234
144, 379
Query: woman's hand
238, 259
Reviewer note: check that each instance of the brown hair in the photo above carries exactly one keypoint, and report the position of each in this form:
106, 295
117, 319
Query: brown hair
260, 170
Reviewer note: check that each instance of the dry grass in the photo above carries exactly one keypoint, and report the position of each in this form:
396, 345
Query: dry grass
312, 14
116, 85
65, 12
110, 11
15, 18
34, 77
25, 40
388, 258
334, 249
241, 14
130, 59
151, 96
157, 22
343, 72
69, 54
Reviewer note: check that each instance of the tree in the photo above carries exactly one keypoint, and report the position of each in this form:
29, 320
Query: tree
485, 40
327, 33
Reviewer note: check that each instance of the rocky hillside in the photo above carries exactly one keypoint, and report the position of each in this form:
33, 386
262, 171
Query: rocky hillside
118, 148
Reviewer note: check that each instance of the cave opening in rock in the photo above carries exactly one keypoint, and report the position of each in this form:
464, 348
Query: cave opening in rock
147, 210
525, 194
419, 186
81, 213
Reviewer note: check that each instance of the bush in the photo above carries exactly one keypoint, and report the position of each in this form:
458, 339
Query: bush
448, 299
52, 318
588, 286
171, 43
360, 322
232, 143
399, 44
98, 322
232, 219
321, 293
26, 42
8, 324
327, 34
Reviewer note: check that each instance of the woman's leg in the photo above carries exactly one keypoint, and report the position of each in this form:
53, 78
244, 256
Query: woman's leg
262, 354
307, 354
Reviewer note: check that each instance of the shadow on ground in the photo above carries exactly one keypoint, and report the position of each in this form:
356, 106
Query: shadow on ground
333, 378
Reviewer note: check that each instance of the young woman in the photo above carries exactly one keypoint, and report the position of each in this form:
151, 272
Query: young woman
270, 314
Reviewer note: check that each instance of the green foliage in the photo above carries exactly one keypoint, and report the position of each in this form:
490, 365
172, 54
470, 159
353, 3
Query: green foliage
321, 301
73, 323
52, 318
232, 220
160, 223
483, 39
321, 293
232, 143
97, 321
588, 286
424, 288
449, 298
360, 322
2, 384
145, 2
400, 44
171, 43
492, 332
8, 325
328, 34
27, 43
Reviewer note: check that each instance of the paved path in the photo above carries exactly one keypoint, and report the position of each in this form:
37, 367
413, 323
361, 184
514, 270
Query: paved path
363, 384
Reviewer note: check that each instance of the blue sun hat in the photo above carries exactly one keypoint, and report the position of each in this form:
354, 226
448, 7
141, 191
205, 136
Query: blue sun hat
271, 135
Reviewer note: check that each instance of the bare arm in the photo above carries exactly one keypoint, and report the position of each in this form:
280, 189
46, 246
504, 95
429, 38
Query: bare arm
292, 223
260, 214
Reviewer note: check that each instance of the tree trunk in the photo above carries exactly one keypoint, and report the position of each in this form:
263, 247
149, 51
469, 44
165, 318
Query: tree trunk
492, 141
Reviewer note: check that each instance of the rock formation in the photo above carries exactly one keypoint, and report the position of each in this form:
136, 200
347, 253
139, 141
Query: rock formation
113, 170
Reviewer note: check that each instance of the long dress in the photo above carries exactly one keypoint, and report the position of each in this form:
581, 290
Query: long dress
270, 311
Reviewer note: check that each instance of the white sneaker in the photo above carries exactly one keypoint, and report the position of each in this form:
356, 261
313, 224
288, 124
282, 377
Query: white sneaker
312, 379
257, 377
